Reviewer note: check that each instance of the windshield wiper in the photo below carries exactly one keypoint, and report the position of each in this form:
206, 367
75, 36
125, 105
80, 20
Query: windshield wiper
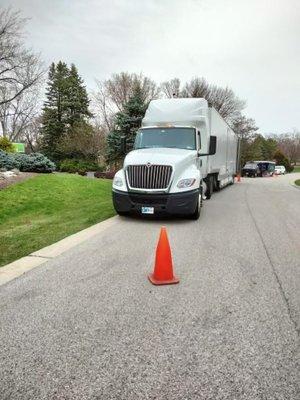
162, 147
175, 147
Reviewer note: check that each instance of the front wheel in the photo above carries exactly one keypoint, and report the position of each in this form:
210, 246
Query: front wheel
197, 212
122, 213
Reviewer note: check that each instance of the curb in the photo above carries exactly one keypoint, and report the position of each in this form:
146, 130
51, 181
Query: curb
17, 268
292, 182
295, 186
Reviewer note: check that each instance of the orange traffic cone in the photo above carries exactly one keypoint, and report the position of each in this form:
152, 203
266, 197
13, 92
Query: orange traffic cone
239, 177
163, 268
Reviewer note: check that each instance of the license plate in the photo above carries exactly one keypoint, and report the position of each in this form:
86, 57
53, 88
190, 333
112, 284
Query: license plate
147, 210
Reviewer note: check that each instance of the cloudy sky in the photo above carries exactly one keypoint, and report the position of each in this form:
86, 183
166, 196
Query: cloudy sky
253, 46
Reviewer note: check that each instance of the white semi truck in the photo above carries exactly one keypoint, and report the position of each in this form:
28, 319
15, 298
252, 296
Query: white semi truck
182, 153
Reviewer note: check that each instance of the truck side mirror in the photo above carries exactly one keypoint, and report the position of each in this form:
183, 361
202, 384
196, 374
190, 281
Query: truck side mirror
123, 144
212, 145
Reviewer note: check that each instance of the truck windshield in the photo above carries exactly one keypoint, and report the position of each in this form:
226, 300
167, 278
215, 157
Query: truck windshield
177, 138
250, 166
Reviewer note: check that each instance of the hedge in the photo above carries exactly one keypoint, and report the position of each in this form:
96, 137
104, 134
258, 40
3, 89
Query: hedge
80, 166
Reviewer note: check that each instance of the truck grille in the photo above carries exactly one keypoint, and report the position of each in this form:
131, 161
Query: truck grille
149, 177
148, 199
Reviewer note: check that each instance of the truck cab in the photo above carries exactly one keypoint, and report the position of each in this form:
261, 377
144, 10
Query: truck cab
162, 173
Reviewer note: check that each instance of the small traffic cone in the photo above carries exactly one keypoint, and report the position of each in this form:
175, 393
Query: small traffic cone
163, 268
238, 177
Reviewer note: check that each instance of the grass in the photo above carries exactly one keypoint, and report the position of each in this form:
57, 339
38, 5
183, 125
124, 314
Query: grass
47, 208
297, 182
296, 169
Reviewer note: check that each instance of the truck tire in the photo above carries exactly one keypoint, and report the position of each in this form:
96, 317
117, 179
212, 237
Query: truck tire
122, 213
197, 212
216, 184
210, 187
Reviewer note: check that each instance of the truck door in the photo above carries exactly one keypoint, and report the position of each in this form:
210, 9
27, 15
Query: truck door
198, 145
227, 152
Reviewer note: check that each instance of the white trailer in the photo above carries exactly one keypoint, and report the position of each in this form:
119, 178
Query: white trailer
183, 152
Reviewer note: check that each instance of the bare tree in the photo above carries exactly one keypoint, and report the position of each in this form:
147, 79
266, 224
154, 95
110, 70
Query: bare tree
289, 144
246, 130
222, 99
16, 115
85, 140
171, 88
226, 102
121, 86
115, 92
19, 67
244, 127
197, 87
103, 107
31, 133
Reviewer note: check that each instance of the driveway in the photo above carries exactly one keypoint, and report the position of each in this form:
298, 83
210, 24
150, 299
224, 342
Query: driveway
89, 325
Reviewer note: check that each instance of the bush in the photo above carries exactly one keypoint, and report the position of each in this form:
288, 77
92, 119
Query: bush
80, 166
68, 166
6, 145
105, 175
281, 159
35, 162
8, 161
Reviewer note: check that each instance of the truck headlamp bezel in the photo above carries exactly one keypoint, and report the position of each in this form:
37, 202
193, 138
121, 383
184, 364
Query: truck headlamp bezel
118, 181
185, 183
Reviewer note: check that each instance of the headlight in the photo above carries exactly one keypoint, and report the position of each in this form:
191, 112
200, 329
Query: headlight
184, 183
117, 181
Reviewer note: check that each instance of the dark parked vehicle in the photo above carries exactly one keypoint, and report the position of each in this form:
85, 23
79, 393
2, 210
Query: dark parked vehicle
259, 168
267, 168
251, 169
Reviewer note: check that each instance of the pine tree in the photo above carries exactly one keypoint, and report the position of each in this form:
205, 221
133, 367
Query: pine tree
254, 151
281, 159
270, 146
66, 104
55, 108
78, 98
127, 123
260, 149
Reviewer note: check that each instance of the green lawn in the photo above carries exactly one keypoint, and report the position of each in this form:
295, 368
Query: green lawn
47, 208
297, 182
296, 169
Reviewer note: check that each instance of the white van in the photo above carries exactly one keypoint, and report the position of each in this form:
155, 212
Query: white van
280, 170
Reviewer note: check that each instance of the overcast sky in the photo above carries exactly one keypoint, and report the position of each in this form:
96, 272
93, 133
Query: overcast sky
253, 46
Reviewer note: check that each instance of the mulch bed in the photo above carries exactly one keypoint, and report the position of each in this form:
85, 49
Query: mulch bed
15, 179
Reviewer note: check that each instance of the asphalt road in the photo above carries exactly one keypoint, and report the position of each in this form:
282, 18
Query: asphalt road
89, 325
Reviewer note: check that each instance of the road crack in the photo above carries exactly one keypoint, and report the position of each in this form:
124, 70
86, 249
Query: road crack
282, 292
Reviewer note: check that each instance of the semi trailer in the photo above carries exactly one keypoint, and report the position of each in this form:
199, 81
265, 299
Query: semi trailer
183, 152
